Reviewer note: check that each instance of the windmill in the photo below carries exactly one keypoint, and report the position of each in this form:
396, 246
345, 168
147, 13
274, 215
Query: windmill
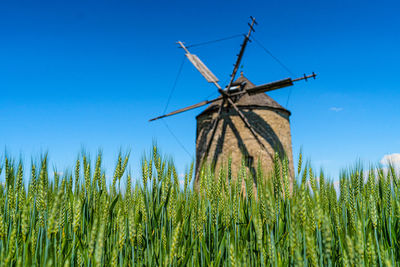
242, 120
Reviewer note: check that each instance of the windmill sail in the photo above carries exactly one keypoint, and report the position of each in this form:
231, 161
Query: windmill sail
277, 85
187, 108
270, 86
199, 65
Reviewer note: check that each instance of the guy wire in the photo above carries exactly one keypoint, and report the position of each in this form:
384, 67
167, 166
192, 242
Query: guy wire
279, 62
215, 41
175, 83
167, 104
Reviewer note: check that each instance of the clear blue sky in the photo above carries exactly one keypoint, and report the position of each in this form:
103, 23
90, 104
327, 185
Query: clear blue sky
90, 74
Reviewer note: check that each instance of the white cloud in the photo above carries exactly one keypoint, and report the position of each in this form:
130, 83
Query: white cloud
336, 109
391, 159
336, 185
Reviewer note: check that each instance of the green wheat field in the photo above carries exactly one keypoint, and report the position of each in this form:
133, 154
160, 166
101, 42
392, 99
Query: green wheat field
77, 219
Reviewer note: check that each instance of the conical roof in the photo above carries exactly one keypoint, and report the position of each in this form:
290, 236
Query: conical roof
246, 100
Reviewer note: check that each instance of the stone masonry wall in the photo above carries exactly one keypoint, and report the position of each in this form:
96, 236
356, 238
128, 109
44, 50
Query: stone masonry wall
233, 138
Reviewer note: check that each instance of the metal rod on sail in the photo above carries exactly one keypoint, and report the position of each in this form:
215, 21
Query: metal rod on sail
239, 58
187, 108
277, 85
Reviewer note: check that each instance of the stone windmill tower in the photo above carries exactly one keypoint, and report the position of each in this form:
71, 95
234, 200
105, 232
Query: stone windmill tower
242, 121
233, 138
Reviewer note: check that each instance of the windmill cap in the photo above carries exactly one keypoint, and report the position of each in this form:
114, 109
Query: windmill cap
257, 100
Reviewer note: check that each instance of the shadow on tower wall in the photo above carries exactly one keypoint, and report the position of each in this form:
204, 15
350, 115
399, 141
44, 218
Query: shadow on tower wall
261, 127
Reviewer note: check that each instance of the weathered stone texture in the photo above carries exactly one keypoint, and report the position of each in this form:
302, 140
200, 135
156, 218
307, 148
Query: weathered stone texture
233, 138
